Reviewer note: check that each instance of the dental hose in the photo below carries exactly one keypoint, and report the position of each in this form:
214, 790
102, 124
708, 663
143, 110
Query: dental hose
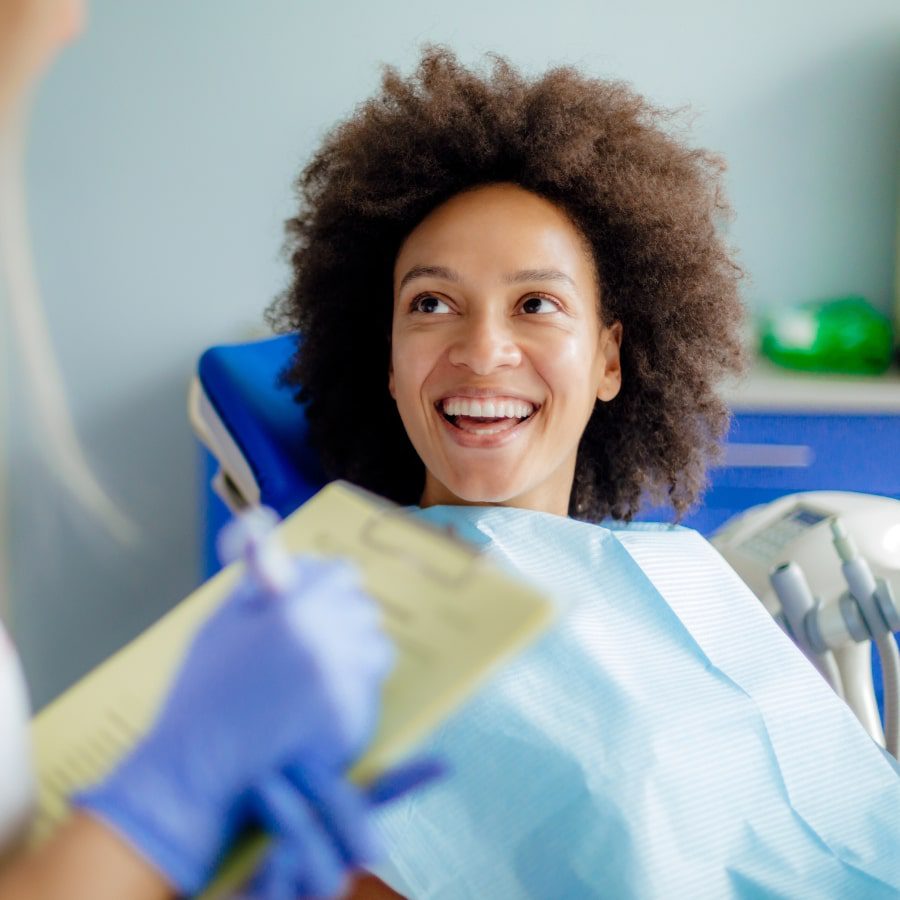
890, 671
880, 615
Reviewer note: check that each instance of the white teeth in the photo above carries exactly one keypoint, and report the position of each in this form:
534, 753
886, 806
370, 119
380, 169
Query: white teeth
488, 409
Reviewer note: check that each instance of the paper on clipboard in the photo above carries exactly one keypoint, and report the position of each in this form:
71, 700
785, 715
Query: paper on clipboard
452, 616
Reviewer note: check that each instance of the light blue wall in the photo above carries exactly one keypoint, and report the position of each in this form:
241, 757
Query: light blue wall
163, 149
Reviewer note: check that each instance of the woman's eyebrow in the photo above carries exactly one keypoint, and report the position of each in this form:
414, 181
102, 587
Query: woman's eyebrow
539, 275
429, 271
514, 278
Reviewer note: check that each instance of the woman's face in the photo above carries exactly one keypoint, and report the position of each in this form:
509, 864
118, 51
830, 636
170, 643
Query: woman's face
498, 354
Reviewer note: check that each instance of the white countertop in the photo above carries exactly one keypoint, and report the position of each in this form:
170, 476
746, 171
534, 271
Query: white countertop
769, 387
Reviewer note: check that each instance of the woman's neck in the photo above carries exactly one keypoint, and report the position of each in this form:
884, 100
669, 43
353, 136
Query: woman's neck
545, 498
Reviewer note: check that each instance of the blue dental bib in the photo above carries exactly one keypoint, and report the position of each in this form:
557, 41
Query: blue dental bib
665, 739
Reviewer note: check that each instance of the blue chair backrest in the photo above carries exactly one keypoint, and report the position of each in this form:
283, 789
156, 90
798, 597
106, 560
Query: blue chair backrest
268, 425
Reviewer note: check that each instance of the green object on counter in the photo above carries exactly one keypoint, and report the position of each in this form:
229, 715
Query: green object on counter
847, 335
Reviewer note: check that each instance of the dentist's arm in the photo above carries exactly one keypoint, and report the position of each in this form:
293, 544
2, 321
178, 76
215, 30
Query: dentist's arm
85, 860
276, 697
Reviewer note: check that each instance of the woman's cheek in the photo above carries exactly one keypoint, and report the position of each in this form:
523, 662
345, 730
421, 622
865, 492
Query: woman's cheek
562, 355
422, 355
409, 374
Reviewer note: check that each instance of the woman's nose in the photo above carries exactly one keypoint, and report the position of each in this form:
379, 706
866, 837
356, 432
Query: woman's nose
486, 343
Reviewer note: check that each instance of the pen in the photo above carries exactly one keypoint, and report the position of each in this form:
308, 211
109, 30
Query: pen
249, 538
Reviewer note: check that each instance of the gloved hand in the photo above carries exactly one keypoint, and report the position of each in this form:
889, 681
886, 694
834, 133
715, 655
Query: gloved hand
322, 828
269, 682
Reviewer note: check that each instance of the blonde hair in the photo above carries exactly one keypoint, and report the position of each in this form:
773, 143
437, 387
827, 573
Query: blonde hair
24, 325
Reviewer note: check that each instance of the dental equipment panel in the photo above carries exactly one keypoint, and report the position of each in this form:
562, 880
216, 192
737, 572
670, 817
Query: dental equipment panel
826, 565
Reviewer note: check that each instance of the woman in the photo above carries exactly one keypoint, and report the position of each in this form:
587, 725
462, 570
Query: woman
515, 296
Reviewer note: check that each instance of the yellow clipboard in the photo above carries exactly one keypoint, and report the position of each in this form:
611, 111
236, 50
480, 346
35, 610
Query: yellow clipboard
452, 615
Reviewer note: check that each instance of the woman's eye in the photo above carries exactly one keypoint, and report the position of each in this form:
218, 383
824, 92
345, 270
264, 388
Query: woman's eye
428, 303
539, 306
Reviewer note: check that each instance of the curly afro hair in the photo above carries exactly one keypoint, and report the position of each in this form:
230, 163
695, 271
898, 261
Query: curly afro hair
647, 204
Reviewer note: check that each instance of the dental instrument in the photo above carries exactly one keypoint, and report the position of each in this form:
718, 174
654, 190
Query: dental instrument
799, 555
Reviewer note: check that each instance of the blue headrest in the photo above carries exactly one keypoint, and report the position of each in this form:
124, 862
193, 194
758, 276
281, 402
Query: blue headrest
241, 382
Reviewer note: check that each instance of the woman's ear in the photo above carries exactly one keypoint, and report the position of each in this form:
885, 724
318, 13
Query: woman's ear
391, 380
610, 358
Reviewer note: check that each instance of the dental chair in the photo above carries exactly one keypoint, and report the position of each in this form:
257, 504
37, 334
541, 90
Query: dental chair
256, 450
254, 436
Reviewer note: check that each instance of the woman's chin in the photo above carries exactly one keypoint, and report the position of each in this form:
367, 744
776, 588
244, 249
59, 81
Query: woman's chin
482, 493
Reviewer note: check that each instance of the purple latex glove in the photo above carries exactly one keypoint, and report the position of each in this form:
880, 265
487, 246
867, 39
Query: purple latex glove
322, 827
269, 682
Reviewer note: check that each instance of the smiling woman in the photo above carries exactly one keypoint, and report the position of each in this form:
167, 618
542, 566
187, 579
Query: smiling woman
484, 236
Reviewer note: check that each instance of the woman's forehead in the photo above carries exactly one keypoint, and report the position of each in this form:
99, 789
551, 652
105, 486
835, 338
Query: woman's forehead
500, 231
